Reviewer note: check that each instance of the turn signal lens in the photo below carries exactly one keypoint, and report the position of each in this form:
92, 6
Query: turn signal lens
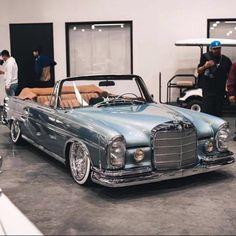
209, 146
138, 155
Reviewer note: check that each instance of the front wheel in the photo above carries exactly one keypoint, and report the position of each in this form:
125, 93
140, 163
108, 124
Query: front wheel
15, 132
195, 105
80, 165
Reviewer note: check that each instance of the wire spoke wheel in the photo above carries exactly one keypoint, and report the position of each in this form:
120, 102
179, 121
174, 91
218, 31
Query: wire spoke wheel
79, 163
15, 132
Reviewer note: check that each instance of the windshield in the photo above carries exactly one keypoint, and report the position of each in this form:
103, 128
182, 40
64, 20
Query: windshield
100, 91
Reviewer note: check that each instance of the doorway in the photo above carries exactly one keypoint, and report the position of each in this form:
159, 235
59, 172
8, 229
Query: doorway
23, 39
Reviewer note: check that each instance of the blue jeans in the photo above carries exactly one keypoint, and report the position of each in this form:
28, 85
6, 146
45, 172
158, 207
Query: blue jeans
12, 90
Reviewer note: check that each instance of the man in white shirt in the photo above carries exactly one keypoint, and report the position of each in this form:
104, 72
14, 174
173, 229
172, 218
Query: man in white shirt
10, 73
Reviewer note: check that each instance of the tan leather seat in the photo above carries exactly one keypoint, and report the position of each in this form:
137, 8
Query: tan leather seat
88, 96
67, 100
69, 103
70, 100
44, 100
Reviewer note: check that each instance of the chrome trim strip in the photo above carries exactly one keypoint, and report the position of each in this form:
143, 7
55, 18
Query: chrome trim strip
119, 173
177, 145
174, 153
160, 139
154, 176
87, 142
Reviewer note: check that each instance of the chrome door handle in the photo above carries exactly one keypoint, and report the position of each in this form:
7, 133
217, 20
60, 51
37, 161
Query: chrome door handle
26, 111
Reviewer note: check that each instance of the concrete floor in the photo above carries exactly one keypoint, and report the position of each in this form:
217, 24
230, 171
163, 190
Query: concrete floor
46, 193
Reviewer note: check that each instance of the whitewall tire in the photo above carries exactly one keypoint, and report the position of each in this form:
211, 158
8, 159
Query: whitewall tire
15, 132
80, 165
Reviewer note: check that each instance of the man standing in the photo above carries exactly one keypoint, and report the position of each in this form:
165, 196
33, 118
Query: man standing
213, 72
231, 86
42, 67
10, 73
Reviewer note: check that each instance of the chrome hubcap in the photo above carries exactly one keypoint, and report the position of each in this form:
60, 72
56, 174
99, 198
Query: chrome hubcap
78, 160
15, 130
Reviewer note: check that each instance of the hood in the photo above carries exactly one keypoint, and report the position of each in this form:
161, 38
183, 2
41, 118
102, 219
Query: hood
136, 122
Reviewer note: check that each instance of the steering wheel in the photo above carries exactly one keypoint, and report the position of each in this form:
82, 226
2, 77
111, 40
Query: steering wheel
120, 96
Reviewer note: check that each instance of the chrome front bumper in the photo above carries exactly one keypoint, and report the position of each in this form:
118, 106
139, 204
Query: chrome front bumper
145, 175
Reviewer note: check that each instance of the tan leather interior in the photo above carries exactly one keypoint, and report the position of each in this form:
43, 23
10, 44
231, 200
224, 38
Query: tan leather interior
44, 100
69, 103
67, 99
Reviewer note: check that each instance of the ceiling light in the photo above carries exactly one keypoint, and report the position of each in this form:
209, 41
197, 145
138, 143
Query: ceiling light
230, 22
83, 30
112, 24
215, 25
212, 28
74, 28
217, 22
100, 30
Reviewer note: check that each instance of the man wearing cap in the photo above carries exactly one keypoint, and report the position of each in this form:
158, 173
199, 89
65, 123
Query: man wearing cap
10, 73
213, 71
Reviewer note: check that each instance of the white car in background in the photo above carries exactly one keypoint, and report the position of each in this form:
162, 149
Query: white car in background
191, 99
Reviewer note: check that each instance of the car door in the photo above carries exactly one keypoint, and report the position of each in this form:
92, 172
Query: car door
48, 129
22, 113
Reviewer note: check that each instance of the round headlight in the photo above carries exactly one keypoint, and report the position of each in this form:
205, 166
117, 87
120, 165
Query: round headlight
222, 138
209, 146
117, 151
139, 155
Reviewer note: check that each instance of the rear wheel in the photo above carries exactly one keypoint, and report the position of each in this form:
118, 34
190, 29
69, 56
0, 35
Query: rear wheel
195, 105
15, 132
80, 165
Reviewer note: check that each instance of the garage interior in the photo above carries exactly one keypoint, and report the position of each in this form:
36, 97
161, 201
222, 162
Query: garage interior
42, 188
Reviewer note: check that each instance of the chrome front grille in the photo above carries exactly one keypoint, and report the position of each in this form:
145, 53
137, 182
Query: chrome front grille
174, 146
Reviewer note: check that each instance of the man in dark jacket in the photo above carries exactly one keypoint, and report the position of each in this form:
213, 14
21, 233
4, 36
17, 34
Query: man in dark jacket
213, 72
43, 67
231, 85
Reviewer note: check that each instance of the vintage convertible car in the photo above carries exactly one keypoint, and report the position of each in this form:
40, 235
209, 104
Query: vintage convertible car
108, 129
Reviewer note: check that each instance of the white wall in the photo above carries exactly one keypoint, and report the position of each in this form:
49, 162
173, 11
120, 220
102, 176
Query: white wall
156, 26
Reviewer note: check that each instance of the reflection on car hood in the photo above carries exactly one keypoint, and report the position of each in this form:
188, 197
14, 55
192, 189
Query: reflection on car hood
136, 122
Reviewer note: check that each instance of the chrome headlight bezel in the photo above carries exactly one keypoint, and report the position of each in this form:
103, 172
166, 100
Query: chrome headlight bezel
116, 152
222, 137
